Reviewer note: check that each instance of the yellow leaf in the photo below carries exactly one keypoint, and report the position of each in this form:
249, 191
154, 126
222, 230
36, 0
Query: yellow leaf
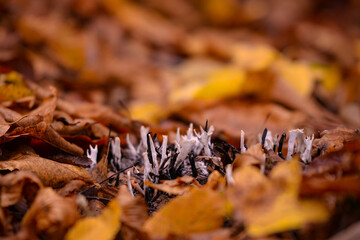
12, 87
211, 85
226, 82
149, 112
329, 76
199, 211
286, 212
255, 58
299, 75
103, 227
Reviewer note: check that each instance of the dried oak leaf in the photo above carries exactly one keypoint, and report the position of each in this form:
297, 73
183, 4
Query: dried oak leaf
50, 216
271, 205
201, 210
51, 173
332, 140
178, 186
103, 227
17, 185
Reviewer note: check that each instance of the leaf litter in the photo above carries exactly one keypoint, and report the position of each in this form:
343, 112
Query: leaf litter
188, 119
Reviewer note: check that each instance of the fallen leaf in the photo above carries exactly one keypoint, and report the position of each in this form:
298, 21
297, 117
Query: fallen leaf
96, 112
49, 216
17, 185
287, 212
348, 185
216, 181
4, 126
332, 140
134, 209
45, 132
271, 205
253, 57
253, 156
207, 212
51, 173
12, 87
299, 75
100, 171
103, 227
178, 186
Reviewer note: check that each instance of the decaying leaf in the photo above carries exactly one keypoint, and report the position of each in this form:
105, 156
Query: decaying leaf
103, 227
50, 216
17, 185
177, 186
207, 212
51, 173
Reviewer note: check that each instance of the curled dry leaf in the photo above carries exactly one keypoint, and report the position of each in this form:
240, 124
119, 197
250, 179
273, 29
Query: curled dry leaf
45, 132
103, 227
332, 140
36, 124
201, 210
178, 186
17, 185
49, 216
51, 173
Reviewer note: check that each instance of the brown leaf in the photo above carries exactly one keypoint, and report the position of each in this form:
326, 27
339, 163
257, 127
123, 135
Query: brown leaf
51, 173
349, 185
96, 112
332, 140
72, 187
49, 216
17, 185
135, 211
9, 115
178, 186
253, 156
4, 126
100, 171
45, 132
45, 110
